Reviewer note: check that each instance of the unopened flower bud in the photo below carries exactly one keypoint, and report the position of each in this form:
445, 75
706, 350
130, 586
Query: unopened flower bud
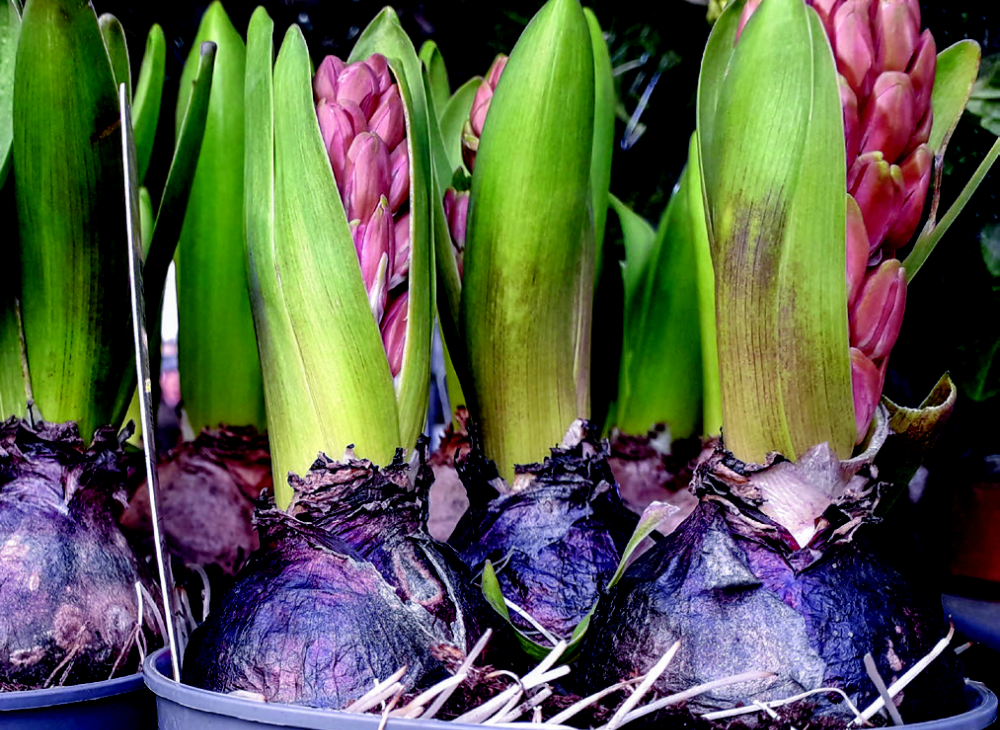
853, 44
852, 122
338, 131
357, 83
388, 121
916, 171
896, 33
399, 187
394, 331
380, 68
325, 81
368, 176
877, 186
878, 313
922, 70
858, 250
889, 118
401, 260
866, 383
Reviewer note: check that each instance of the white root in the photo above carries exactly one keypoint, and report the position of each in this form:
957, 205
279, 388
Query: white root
883, 692
651, 676
464, 668
687, 694
531, 620
900, 684
734, 712
379, 693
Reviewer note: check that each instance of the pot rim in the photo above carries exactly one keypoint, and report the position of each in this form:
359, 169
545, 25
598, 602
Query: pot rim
268, 713
216, 703
31, 699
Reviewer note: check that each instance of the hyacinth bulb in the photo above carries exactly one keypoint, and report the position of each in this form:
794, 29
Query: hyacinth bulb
363, 123
887, 68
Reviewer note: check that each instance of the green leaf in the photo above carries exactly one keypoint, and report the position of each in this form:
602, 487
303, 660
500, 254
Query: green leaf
14, 384
771, 142
956, 71
10, 29
114, 40
74, 268
660, 374
639, 239
528, 267
326, 378
711, 395
169, 217
432, 59
455, 113
148, 96
984, 101
216, 345
605, 102
494, 597
651, 518
386, 36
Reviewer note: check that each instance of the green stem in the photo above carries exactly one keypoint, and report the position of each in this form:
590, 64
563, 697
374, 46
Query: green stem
924, 246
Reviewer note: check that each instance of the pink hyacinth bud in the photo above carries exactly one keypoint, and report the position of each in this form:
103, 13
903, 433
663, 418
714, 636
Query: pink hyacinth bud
401, 261
889, 117
852, 122
375, 245
825, 9
380, 67
866, 382
367, 174
473, 128
388, 121
325, 81
853, 45
878, 188
748, 9
357, 83
858, 250
338, 130
399, 187
878, 313
896, 33
922, 70
456, 209
916, 171
394, 331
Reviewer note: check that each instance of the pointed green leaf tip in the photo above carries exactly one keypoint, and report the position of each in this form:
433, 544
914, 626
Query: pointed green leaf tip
326, 378
67, 162
217, 348
148, 96
772, 157
528, 268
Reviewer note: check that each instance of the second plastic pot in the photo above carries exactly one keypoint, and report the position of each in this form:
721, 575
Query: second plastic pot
123, 703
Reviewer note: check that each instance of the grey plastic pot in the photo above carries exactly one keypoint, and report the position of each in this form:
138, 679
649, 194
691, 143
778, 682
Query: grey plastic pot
180, 707
116, 704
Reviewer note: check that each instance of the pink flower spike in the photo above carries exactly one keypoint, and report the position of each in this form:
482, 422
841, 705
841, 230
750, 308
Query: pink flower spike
357, 83
399, 187
375, 255
325, 81
456, 209
496, 70
388, 121
916, 171
888, 120
878, 313
480, 107
826, 9
866, 382
853, 45
748, 9
858, 250
367, 174
895, 34
394, 331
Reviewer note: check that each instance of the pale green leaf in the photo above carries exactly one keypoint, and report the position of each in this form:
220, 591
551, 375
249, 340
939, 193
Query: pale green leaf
454, 115
433, 61
604, 134
326, 379
114, 40
10, 28
67, 163
528, 266
660, 373
639, 239
148, 97
772, 146
956, 71
216, 344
